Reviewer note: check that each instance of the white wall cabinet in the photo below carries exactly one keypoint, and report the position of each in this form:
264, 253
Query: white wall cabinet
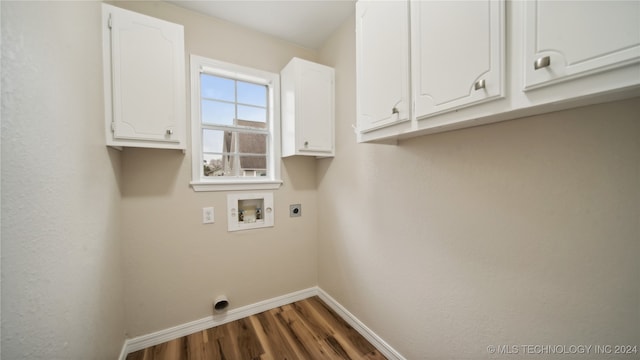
308, 111
534, 57
382, 71
144, 78
565, 40
457, 54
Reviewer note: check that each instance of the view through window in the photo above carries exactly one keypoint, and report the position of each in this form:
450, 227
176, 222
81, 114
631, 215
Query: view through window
234, 127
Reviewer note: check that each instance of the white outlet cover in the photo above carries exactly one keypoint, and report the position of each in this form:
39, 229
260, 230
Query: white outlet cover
208, 215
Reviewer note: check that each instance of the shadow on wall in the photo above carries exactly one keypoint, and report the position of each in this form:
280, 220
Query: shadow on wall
116, 166
299, 172
152, 172
156, 172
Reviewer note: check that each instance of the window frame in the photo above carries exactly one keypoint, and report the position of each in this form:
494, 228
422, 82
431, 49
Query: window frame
199, 182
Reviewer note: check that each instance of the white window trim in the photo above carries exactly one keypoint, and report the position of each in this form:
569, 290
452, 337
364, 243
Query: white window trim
220, 68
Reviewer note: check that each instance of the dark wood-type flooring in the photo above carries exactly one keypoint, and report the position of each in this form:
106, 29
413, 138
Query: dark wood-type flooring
305, 330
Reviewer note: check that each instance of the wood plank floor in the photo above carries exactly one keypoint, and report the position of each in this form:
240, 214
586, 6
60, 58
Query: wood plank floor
305, 330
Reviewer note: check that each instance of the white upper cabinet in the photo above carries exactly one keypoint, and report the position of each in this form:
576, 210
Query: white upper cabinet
307, 98
457, 54
382, 71
475, 62
565, 40
144, 80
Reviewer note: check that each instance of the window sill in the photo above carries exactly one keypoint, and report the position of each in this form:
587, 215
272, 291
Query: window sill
236, 185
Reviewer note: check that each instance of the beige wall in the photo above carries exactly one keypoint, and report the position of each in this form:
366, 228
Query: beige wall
174, 265
521, 232
62, 283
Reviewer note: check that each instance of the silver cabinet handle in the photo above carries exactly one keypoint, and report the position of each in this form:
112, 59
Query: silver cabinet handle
480, 84
394, 109
542, 62
169, 132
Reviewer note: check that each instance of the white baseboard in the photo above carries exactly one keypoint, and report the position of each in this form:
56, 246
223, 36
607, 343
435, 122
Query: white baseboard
145, 341
123, 352
375, 340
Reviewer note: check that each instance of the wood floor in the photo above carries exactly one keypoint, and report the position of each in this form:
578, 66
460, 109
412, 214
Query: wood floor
304, 330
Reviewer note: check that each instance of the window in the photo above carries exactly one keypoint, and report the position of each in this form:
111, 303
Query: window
235, 127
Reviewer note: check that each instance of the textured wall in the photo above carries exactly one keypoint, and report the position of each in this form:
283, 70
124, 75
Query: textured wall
521, 232
174, 265
62, 288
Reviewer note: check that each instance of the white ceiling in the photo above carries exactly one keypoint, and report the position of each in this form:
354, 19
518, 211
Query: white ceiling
304, 22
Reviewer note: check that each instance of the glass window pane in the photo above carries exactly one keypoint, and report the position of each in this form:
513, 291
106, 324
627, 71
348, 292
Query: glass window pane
252, 143
252, 113
220, 164
249, 160
253, 165
215, 141
218, 113
214, 87
252, 94
213, 165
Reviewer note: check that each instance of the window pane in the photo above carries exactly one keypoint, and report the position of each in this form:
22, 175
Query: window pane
214, 87
214, 141
252, 94
252, 113
252, 143
253, 165
215, 112
213, 165
220, 165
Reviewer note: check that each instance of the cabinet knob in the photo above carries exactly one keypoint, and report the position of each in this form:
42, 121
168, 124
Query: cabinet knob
306, 143
394, 109
169, 132
542, 62
480, 84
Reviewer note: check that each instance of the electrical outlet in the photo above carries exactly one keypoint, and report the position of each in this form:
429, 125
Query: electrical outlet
207, 215
295, 210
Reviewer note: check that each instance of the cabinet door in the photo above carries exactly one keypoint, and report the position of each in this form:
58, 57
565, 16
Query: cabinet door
457, 54
569, 39
147, 80
315, 108
382, 63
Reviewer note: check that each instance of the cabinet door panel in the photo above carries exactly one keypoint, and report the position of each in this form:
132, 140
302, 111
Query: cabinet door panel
579, 38
382, 52
144, 58
316, 98
456, 44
